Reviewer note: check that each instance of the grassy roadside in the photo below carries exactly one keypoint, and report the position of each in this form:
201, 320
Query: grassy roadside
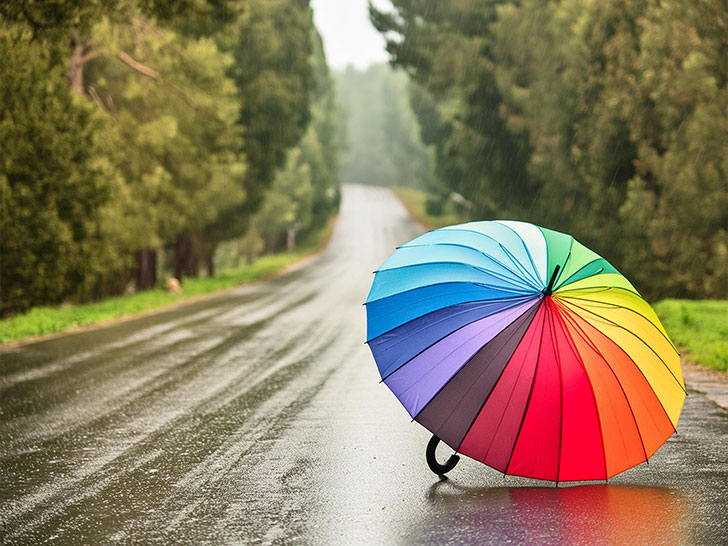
699, 328
414, 201
41, 321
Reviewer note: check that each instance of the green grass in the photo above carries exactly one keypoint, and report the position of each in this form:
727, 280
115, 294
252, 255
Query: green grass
41, 321
699, 328
414, 201
50, 320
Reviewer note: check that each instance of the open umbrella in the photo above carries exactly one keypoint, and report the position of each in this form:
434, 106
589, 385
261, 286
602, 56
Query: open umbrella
521, 348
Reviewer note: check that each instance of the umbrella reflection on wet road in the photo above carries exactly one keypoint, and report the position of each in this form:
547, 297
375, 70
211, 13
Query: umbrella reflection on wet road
591, 514
257, 416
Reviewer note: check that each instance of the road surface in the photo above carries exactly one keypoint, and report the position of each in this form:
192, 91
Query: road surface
257, 417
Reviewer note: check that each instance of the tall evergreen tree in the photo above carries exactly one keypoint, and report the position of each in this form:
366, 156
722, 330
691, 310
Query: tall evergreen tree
51, 180
447, 48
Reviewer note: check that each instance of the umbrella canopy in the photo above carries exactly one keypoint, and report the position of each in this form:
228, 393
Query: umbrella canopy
521, 348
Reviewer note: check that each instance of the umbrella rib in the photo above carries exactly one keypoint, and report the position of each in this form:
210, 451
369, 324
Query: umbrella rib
454, 312
567, 315
565, 282
456, 330
441, 262
525, 246
495, 382
397, 311
601, 287
682, 387
515, 296
503, 413
465, 364
561, 393
563, 266
631, 311
452, 351
646, 380
535, 270
547, 252
520, 276
498, 288
591, 386
520, 265
530, 392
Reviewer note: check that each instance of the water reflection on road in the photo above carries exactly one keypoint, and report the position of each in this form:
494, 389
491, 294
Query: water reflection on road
587, 514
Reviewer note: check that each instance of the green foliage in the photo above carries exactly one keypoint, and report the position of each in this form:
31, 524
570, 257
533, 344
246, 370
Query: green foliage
51, 178
170, 131
603, 119
133, 128
270, 42
49, 320
305, 192
54, 21
677, 114
698, 328
272, 51
555, 94
287, 207
50, 19
446, 47
322, 144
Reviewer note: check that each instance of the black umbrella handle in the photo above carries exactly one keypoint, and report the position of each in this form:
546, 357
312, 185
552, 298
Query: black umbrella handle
437, 468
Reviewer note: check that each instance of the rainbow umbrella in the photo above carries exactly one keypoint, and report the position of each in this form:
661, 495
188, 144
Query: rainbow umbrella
521, 348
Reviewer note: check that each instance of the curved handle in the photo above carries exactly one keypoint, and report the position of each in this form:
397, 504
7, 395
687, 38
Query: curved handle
437, 468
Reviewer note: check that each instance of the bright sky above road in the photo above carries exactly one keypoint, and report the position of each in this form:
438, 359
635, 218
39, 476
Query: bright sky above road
349, 37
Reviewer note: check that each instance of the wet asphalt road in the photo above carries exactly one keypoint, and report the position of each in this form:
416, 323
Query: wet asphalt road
257, 417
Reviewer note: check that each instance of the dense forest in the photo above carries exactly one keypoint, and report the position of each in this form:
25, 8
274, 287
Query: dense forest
607, 120
137, 135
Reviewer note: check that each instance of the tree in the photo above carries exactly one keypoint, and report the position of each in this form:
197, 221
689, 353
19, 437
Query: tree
271, 46
51, 179
447, 49
271, 69
171, 131
603, 119
552, 62
305, 193
672, 87
287, 206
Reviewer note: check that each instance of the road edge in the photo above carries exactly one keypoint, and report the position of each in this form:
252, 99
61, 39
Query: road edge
303, 261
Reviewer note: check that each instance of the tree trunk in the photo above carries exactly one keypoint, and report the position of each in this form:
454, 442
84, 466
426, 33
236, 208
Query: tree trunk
76, 69
210, 258
146, 275
187, 253
270, 244
79, 58
181, 249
